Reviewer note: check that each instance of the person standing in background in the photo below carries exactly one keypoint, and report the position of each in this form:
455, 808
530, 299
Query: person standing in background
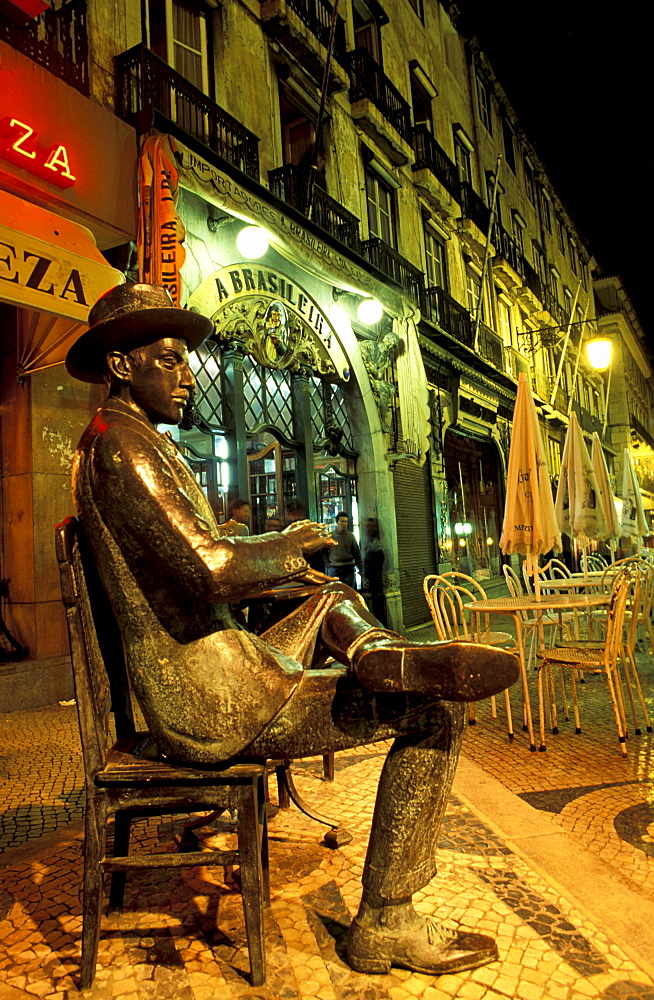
373, 570
238, 515
345, 556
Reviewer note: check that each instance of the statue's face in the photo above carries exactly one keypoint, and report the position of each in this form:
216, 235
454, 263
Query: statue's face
160, 385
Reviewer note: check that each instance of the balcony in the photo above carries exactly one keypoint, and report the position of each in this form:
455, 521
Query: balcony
508, 256
395, 267
473, 208
56, 40
379, 108
289, 184
430, 157
490, 346
449, 315
532, 280
302, 27
146, 83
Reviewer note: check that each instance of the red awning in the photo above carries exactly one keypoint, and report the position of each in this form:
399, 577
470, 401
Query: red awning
52, 269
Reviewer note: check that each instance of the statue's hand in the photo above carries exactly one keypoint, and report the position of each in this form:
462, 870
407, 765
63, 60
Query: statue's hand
310, 536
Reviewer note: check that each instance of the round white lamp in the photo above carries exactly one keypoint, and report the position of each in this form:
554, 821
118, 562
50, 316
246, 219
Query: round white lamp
252, 242
598, 352
370, 311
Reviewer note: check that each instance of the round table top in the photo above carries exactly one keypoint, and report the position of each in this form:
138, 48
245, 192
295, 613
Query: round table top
547, 602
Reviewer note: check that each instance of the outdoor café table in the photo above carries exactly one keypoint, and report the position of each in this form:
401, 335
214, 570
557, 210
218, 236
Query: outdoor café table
515, 607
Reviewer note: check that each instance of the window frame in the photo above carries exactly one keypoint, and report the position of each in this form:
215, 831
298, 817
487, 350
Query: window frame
484, 103
372, 177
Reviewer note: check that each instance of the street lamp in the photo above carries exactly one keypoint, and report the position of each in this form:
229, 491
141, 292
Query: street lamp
599, 351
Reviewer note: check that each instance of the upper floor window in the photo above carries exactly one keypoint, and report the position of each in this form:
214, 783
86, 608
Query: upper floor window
368, 19
178, 34
508, 137
567, 302
546, 210
436, 259
381, 208
573, 255
462, 159
555, 284
517, 226
583, 268
539, 260
484, 102
530, 185
560, 230
504, 321
422, 94
298, 135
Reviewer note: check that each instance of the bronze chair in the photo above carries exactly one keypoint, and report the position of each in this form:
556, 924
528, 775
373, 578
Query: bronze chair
121, 784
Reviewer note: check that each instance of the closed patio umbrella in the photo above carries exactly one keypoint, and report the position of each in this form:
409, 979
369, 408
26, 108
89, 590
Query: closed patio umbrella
579, 510
634, 523
530, 526
613, 530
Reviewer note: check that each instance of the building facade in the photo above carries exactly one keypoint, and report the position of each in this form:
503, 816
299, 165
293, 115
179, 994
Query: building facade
376, 152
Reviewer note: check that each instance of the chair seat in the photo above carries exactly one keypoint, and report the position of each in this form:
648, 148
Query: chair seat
495, 638
123, 767
590, 659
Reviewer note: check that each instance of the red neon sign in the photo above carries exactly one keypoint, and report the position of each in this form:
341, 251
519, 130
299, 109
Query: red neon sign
18, 144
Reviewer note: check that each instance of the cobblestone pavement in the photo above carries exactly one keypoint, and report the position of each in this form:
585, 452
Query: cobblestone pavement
552, 853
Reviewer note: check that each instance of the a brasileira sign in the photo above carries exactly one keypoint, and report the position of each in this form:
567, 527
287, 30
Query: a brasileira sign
281, 325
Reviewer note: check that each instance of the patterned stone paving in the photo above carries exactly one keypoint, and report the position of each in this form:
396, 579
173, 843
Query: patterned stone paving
182, 936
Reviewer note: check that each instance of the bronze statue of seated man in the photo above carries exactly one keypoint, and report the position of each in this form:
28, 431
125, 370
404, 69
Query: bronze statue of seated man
209, 689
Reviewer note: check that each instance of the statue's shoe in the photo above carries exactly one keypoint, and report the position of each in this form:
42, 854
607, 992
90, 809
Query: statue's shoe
454, 671
426, 946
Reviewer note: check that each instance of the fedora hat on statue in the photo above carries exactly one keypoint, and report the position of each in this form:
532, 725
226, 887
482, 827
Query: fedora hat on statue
129, 316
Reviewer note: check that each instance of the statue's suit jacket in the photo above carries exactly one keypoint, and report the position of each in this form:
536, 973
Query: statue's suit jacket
206, 687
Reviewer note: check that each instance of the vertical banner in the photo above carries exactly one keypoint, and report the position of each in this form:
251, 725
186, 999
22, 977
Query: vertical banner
161, 232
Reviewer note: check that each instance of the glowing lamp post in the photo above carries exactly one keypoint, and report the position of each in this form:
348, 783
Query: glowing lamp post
599, 352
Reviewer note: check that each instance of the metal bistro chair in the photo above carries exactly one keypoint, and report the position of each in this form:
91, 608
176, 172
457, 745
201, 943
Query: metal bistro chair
121, 784
446, 596
603, 659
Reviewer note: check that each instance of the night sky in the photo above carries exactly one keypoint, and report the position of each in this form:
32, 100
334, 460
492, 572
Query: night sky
579, 76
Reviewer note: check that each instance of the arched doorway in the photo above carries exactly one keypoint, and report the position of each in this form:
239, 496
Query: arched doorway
474, 505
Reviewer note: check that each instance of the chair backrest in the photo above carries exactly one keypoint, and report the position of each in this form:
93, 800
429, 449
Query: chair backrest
446, 600
592, 561
98, 691
512, 581
615, 616
556, 569
528, 580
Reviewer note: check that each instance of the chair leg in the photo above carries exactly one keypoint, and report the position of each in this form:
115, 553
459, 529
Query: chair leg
575, 703
616, 714
95, 837
122, 824
250, 849
631, 661
509, 715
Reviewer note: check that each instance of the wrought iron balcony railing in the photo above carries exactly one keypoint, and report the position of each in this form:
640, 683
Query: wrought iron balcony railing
290, 184
449, 315
317, 16
144, 81
430, 156
56, 39
490, 346
472, 207
368, 81
394, 266
506, 248
532, 279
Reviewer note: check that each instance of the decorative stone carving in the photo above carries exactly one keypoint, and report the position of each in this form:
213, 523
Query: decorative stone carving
274, 335
377, 356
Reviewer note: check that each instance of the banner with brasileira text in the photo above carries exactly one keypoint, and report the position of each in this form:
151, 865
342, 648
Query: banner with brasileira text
161, 231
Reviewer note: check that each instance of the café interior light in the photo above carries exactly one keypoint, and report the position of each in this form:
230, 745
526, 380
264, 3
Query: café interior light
370, 311
598, 351
252, 242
